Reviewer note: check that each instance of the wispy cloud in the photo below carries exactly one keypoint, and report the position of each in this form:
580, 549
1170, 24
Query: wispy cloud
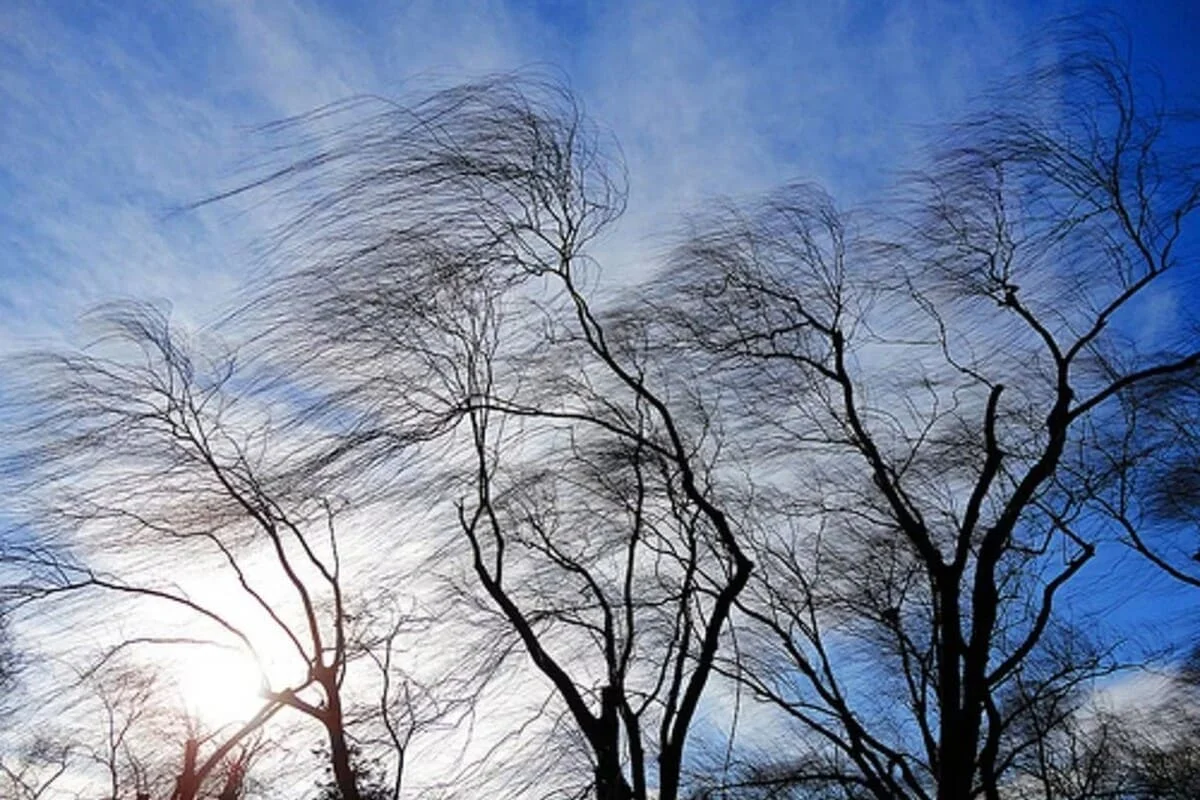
115, 115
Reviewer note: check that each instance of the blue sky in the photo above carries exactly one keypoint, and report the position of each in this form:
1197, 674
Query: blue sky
117, 112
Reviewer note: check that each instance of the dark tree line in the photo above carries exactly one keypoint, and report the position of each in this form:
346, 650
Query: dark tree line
834, 467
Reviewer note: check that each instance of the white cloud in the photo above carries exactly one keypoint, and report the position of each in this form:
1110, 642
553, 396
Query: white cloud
116, 118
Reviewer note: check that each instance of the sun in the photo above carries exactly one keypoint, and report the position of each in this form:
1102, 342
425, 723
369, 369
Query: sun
220, 685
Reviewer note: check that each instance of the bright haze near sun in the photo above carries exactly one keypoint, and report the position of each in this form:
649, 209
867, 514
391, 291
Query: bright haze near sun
217, 685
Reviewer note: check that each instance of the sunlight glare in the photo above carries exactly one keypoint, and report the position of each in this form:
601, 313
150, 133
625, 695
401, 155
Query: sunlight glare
219, 686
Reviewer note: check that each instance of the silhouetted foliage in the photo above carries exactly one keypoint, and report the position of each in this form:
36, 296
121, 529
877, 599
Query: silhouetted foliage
370, 778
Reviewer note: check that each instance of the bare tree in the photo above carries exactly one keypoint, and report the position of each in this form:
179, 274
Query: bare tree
1158, 508
126, 699
935, 390
906, 412
151, 480
1089, 748
32, 773
10, 664
447, 262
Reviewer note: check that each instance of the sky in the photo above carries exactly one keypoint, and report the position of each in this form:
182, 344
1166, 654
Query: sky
116, 116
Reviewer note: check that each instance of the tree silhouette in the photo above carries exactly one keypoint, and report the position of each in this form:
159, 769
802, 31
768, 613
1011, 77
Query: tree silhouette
913, 416
147, 453
942, 395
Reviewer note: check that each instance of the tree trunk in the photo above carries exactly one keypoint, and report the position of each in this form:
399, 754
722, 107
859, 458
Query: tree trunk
339, 752
956, 750
187, 784
233, 783
610, 778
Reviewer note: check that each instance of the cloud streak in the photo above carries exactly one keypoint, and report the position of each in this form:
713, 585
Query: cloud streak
117, 115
